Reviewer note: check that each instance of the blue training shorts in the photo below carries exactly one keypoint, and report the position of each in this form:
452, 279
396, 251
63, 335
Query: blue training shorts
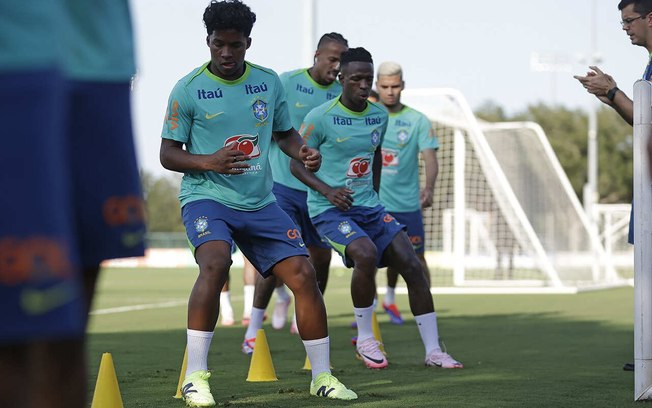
340, 228
265, 236
414, 222
294, 203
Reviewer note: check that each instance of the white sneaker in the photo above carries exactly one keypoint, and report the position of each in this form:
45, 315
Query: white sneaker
438, 358
370, 353
280, 315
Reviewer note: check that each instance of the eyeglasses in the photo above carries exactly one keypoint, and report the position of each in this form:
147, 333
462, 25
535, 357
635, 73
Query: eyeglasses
629, 21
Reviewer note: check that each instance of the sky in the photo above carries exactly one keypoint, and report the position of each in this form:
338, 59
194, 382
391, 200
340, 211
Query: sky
482, 48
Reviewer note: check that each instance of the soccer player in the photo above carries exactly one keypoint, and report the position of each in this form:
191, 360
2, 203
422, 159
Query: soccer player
408, 133
344, 207
74, 192
225, 113
305, 89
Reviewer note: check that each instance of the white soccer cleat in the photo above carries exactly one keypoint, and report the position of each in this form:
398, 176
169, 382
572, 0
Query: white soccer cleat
438, 358
195, 390
370, 353
280, 315
248, 345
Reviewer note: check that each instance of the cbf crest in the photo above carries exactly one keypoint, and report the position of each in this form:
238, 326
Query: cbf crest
260, 110
375, 137
344, 227
402, 136
201, 224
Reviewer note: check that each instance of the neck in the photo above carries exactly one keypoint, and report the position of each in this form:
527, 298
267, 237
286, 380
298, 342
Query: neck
395, 108
313, 74
354, 106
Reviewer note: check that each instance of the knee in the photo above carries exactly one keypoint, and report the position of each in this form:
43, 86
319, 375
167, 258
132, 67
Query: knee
364, 256
215, 267
413, 270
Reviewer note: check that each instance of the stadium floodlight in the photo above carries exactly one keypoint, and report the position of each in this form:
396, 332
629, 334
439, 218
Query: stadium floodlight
642, 242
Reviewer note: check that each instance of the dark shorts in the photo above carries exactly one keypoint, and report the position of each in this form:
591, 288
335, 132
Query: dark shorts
72, 198
294, 203
265, 236
414, 223
340, 228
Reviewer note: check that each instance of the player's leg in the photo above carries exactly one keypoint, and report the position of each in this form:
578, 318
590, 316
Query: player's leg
400, 254
262, 295
226, 308
249, 275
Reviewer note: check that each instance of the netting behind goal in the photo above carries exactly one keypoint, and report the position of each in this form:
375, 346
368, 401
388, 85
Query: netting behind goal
505, 215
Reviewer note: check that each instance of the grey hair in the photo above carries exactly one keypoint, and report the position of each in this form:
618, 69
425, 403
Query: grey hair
390, 68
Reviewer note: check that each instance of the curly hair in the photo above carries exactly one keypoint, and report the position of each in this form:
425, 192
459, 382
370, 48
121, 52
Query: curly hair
229, 15
356, 55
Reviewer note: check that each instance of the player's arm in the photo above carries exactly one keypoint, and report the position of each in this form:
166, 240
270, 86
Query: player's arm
340, 197
226, 160
432, 170
377, 168
291, 143
600, 84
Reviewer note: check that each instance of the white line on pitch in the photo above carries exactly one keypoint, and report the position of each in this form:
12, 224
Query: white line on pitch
124, 309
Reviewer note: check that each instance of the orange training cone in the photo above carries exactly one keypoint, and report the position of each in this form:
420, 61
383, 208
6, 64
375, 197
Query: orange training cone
107, 392
261, 367
377, 335
182, 374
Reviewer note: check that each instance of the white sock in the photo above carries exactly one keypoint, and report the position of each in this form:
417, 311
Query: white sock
318, 352
427, 324
198, 344
255, 323
363, 317
226, 310
248, 300
282, 293
389, 296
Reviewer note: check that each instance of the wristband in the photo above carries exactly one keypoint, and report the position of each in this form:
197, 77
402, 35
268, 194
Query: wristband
611, 94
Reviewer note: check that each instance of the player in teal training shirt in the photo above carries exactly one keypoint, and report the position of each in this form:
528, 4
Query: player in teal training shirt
225, 114
409, 134
345, 208
305, 89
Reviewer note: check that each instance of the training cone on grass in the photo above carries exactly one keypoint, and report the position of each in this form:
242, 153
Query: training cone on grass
377, 335
182, 374
107, 392
261, 367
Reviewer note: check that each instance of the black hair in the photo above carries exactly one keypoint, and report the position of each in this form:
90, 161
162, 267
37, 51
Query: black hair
356, 55
373, 94
642, 7
332, 37
229, 15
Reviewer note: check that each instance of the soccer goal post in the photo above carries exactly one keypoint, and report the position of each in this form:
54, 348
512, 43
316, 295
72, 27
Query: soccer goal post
505, 218
642, 242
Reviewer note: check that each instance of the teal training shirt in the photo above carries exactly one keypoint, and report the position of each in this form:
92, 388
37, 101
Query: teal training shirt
29, 35
408, 133
303, 94
98, 41
347, 141
207, 113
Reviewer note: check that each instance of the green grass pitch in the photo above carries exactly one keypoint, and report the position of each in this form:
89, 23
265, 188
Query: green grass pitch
518, 350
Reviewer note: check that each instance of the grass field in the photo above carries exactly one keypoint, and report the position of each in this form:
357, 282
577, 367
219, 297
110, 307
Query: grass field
518, 350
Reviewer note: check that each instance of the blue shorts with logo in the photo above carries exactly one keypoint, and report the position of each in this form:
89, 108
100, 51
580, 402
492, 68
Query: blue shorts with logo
414, 222
265, 236
74, 198
340, 228
294, 203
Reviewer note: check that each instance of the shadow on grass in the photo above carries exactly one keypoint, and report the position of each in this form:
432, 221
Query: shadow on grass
534, 360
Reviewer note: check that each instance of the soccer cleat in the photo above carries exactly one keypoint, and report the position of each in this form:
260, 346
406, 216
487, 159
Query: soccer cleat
294, 329
196, 391
248, 345
438, 358
354, 340
327, 386
393, 313
370, 353
280, 315
226, 317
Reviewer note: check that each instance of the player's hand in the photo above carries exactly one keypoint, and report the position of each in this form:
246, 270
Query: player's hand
426, 198
341, 197
310, 157
228, 160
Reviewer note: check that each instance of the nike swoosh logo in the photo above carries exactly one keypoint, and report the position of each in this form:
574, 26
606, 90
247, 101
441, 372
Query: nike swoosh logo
302, 245
300, 105
37, 302
372, 359
342, 139
209, 117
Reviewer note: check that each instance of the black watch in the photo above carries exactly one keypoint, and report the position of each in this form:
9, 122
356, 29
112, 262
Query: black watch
611, 94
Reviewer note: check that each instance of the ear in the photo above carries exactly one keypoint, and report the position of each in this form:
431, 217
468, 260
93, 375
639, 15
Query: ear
402, 85
208, 40
248, 42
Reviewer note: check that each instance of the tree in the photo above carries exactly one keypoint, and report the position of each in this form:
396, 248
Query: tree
161, 203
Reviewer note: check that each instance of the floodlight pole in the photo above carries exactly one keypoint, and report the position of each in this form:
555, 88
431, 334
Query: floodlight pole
590, 196
309, 17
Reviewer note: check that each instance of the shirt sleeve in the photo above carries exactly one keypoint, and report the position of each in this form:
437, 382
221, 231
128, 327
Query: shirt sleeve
178, 116
311, 130
426, 134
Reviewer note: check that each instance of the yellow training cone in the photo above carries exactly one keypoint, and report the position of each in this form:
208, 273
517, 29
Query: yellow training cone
182, 374
107, 392
261, 367
377, 335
